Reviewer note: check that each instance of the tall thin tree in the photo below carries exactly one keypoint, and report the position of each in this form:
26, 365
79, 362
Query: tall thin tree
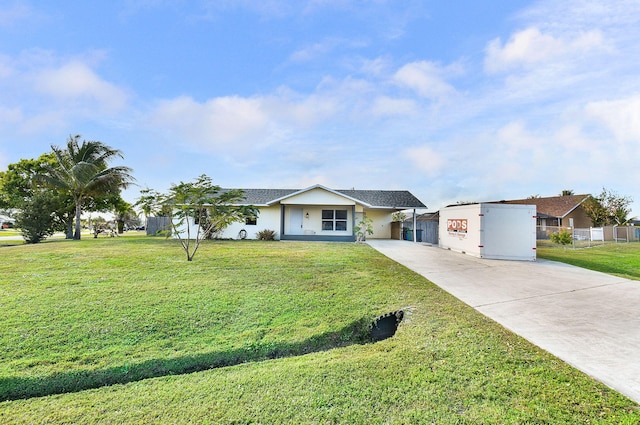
82, 171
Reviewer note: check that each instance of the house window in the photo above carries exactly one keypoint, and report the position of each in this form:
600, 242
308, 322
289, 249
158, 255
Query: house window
251, 221
334, 220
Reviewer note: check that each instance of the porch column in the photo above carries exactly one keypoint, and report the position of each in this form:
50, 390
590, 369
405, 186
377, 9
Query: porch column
353, 221
415, 222
281, 219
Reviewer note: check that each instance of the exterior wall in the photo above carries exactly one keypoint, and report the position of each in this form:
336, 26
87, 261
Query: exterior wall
580, 219
188, 229
312, 220
496, 231
268, 219
381, 223
317, 196
312, 203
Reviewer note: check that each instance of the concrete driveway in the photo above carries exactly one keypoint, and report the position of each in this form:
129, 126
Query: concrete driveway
588, 319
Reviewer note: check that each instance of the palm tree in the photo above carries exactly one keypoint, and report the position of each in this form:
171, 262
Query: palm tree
81, 170
124, 213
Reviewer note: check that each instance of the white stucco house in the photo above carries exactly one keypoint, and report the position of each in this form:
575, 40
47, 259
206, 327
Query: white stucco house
319, 213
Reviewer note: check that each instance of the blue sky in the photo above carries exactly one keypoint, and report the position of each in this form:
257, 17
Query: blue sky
454, 101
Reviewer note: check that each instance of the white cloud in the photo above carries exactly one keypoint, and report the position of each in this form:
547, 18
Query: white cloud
387, 106
426, 78
302, 113
622, 117
375, 67
514, 138
232, 122
430, 162
531, 46
10, 115
313, 51
10, 15
238, 123
324, 48
44, 122
572, 139
42, 92
520, 157
264, 8
77, 81
6, 68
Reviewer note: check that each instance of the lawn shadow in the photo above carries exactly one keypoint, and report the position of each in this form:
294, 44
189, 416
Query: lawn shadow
15, 388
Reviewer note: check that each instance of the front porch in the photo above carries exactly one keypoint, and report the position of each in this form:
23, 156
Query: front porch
330, 223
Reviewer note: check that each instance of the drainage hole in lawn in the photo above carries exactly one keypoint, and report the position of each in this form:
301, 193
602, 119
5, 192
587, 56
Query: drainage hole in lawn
385, 326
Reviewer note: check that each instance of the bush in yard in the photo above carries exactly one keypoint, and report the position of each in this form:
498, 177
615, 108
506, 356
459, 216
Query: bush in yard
563, 237
36, 220
266, 235
199, 209
363, 228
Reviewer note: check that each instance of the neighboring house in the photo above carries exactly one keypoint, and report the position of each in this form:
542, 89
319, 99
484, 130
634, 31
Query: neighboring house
318, 213
562, 211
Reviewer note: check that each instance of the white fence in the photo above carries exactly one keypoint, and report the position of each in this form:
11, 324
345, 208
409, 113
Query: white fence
594, 235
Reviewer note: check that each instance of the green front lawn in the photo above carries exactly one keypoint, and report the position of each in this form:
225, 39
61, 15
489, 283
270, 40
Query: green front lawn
10, 232
124, 330
619, 259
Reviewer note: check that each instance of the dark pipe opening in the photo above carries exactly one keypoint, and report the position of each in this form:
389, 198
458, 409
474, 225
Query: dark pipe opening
386, 325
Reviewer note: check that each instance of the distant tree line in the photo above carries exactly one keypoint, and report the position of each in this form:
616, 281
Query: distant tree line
50, 193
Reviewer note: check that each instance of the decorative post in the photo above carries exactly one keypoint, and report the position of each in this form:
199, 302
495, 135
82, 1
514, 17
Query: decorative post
415, 222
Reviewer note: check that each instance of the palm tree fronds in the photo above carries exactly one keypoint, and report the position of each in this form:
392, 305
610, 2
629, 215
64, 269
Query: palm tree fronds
81, 169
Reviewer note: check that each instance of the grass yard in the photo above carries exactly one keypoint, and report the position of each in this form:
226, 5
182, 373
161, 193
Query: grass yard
125, 330
10, 232
619, 259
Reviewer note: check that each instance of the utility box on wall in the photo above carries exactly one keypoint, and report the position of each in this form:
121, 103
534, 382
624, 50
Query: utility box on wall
494, 231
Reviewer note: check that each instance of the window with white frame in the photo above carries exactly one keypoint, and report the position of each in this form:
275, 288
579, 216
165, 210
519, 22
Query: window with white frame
335, 220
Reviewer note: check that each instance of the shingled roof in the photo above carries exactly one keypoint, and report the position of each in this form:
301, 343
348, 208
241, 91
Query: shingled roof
265, 196
399, 199
554, 206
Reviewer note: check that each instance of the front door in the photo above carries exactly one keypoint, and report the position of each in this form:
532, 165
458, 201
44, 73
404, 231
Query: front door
295, 221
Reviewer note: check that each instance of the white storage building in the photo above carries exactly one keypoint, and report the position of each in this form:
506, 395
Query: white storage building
494, 231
